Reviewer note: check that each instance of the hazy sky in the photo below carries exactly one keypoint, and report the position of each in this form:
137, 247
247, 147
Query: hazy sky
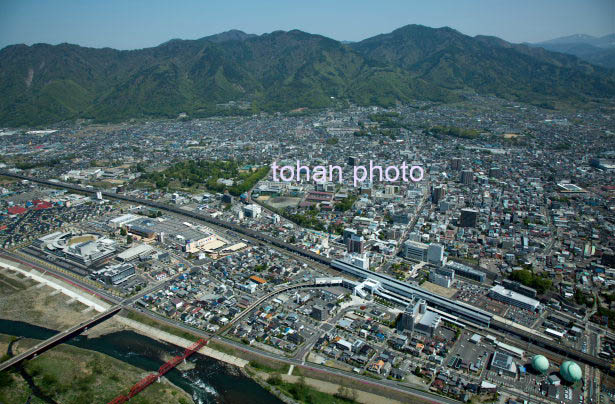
128, 24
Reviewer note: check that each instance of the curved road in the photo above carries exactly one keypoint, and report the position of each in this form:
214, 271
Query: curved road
424, 396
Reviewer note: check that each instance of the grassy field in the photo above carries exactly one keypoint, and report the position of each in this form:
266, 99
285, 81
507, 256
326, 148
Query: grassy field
46, 307
13, 283
269, 367
66, 374
306, 394
71, 375
222, 348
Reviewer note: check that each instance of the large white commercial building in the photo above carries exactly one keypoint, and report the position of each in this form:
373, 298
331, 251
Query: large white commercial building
191, 237
84, 250
432, 253
135, 252
502, 294
252, 210
416, 250
123, 220
442, 277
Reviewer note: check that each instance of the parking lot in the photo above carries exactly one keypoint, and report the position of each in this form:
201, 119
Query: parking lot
475, 295
521, 316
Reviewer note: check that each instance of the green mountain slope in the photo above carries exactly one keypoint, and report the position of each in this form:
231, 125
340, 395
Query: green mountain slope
488, 65
282, 71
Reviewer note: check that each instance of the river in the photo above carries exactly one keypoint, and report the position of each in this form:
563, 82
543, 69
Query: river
209, 382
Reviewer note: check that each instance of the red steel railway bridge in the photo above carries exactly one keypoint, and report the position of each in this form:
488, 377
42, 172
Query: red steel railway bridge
151, 378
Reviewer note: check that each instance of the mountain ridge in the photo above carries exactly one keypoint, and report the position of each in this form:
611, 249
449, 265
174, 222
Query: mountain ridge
599, 51
605, 41
280, 71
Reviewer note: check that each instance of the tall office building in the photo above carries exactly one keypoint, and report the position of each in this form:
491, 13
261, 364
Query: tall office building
435, 254
319, 312
415, 250
406, 320
347, 234
437, 194
417, 318
467, 176
414, 236
227, 198
456, 164
469, 218
444, 206
355, 244
252, 210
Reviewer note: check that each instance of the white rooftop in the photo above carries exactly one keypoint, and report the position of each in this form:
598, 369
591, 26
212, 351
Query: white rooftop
135, 251
502, 291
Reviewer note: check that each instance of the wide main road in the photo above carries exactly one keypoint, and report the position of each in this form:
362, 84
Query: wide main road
171, 208
514, 332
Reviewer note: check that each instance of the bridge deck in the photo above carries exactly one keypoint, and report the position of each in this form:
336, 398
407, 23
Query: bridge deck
59, 338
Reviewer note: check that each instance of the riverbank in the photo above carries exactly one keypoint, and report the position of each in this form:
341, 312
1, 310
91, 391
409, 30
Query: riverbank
71, 375
207, 380
49, 306
160, 335
257, 366
300, 389
72, 292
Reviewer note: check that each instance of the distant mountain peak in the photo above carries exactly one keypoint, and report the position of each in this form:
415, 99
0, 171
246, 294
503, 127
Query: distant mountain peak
569, 39
585, 39
418, 28
598, 51
581, 36
292, 32
231, 35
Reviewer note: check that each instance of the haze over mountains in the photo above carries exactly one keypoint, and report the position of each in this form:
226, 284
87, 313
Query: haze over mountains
599, 51
282, 71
